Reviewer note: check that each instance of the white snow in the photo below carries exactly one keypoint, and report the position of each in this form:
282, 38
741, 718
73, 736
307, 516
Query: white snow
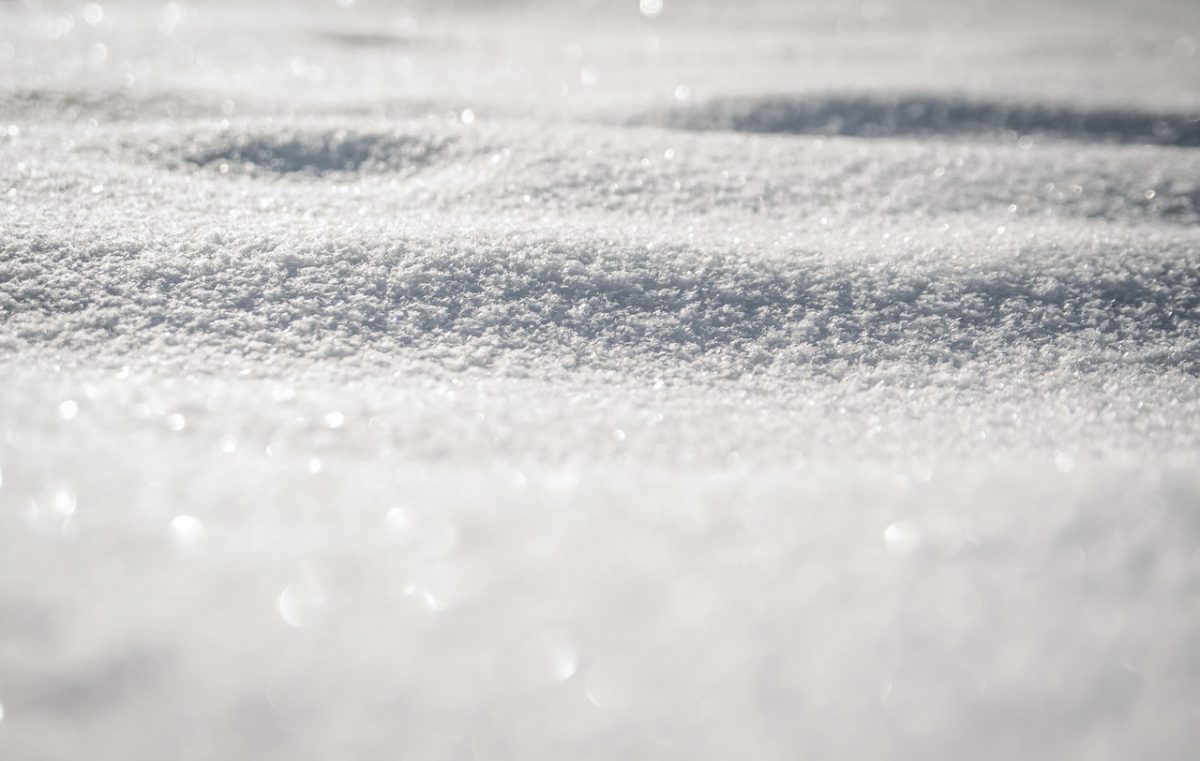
601, 379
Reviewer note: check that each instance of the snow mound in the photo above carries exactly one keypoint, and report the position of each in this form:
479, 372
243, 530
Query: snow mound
934, 115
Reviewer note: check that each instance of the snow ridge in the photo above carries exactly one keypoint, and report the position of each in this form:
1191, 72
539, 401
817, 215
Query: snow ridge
338, 294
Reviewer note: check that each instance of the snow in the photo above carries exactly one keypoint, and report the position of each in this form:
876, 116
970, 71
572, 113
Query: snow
599, 379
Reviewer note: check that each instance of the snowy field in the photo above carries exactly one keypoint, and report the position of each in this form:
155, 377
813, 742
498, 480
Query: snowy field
593, 379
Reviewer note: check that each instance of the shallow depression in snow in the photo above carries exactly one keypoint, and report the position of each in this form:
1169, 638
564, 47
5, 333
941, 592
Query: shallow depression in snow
885, 116
319, 153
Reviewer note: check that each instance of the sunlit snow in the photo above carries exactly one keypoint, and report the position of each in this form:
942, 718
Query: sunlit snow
615, 379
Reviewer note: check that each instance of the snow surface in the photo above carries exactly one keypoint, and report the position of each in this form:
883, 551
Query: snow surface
517, 380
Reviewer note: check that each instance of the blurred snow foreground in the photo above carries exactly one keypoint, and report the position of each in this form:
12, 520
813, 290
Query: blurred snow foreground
613, 380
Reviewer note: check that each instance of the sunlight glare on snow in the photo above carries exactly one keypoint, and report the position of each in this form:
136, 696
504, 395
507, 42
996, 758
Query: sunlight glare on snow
650, 8
64, 501
901, 538
445, 586
334, 419
547, 657
68, 409
93, 13
301, 601
613, 684
58, 27
558, 653
187, 535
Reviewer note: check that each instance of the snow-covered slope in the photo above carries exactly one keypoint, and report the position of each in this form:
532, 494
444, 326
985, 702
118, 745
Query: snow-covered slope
527, 380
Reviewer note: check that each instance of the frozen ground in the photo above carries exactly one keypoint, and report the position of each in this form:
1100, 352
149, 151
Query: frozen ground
516, 380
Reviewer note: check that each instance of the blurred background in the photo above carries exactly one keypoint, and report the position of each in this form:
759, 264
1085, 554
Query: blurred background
599, 58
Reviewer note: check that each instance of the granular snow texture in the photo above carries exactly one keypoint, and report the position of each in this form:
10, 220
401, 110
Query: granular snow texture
529, 380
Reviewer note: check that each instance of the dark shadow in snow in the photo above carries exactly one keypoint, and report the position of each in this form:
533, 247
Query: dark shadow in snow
375, 40
928, 115
322, 153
